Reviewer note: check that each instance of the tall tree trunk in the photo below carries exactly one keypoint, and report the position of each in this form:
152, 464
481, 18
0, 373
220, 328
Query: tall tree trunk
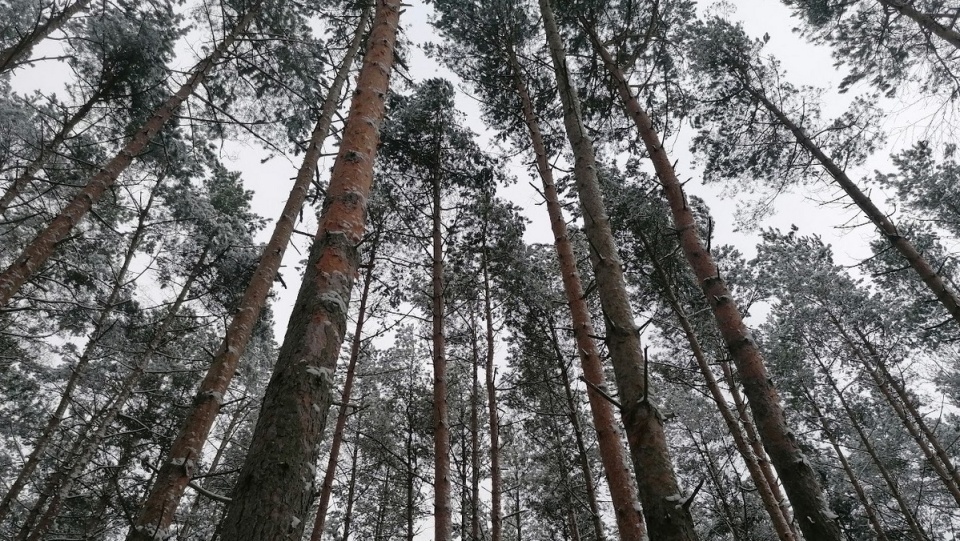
19, 53
326, 489
35, 254
851, 475
271, 496
443, 514
770, 502
713, 472
612, 455
475, 438
80, 369
667, 512
496, 512
30, 171
157, 511
351, 489
573, 412
800, 480
68, 477
905, 510
943, 293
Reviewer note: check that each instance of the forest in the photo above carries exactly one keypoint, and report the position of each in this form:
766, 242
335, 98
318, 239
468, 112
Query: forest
443, 375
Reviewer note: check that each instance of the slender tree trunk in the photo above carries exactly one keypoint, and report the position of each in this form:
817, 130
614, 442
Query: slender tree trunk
800, 480
271, 497
351, 488
19, 53
68, 477
713, 472
157, 511
925, 21
612, 455
326, 489
947, 297
35, 254
667, 512
574, 528
905, 510
851, 475
80, 369
30, 171
443, 519
475, 439
750, 430
496, 513
573, 413
770, 502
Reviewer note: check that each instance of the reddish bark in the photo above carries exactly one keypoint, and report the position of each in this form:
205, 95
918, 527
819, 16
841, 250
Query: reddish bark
326, 489
157, 511
666, 511
800, 480
35, 254
272, 494
612, 455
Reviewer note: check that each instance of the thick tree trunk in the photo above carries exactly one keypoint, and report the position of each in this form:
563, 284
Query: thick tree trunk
30, 171
443, 512
770, 502
80, 369
496, 483
35, 254
667, 512
800, 480
851, 475
326, 489
68, 477
612, 455
19, 53
272, 494
943, 293
157, 511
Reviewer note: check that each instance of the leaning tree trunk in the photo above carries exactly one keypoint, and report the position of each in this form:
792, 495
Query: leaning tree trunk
943, 293
35, 254
68, 477
872, 516
79, 370
272, 494
925, 21
326, 489
17, 54
780, 523
156, 513
30, 171
612, 455
667, 512
801, 482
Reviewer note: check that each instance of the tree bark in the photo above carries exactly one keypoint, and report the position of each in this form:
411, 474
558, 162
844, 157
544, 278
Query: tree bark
666, 511
326, 489
925, 21
80, 369
18, 53
475, 440
851, 475
271, 496
496, 483
157, 511
770, 502
801, 482
612, 455
35, 254
30, 171
943, 293
443, 512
